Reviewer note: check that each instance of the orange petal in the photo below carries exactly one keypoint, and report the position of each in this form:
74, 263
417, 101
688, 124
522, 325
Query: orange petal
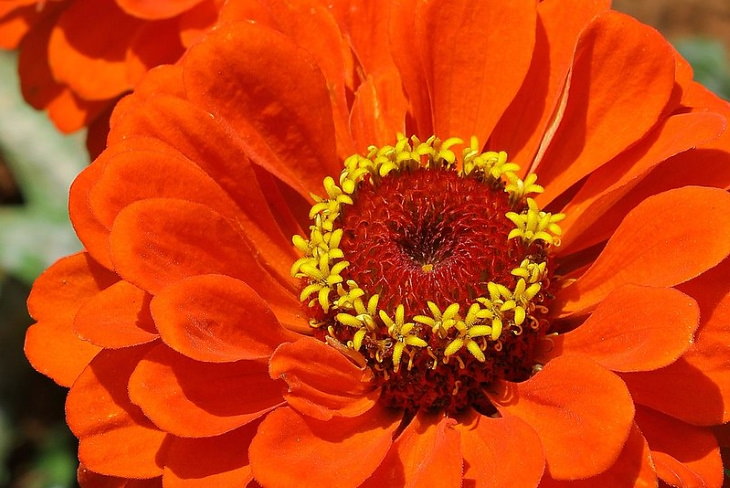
378, 111
469, 84
159, 241
115, 438
633, 469
340, 452
522, 127
408, 56
118, 316
215, 148
193, 399
84, 56
501, 452
612, 181
16, 19
662, 242
211, 461
593, 127
51, 345
138, 175
215, 318
89, 479
323, 382
426, 454
243, 74
581, 412
156, 9
154, 43
704, 371
194, 23
684, 455
635, 329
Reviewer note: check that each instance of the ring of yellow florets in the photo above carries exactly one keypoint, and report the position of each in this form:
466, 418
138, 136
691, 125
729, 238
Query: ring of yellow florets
486, 320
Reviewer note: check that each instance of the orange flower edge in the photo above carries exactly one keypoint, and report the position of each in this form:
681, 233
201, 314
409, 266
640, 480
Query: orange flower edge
434, 331
76, 70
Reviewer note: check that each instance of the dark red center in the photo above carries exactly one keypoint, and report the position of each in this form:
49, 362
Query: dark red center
433, 235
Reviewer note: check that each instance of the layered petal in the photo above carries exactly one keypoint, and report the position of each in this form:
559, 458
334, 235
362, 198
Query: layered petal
522, 128
684, 455
592, 127
656, 245
634, 468
193, 399
245, 78
634, 329
54, 301
581, 412
352, 447
469, 100
218, 319
157, 242
426, 454
115, 438
322, 381
210, 461
502, 451
703, 371
118, 316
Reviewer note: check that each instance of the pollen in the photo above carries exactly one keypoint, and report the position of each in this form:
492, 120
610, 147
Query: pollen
433, 269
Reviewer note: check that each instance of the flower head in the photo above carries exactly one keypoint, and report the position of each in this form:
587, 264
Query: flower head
396, 261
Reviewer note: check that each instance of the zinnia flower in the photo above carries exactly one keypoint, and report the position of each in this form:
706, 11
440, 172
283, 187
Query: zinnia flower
77, 57
406, 243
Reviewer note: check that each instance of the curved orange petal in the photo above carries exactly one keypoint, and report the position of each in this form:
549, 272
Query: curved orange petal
153, 44
522, 127
217, 319
84, 56
348, 449
472, 83
322, 382
115, 438
55, 299
684, 455
377, 113
159, 241
408, 56
246, 78
500, 452
628, 331
704, 371
609, 183
426, 454
213, 147
211, 461
193, 399
156, 9
118, 316
593, 127
16, 19
195, 22
582, 413
113, 190
634, 468
661, 242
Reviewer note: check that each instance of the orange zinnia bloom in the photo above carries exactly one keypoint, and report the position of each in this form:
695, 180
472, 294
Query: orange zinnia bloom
440, 319
78, 56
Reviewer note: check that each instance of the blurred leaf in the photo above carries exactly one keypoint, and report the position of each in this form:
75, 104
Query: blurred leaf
44, 162
709, 61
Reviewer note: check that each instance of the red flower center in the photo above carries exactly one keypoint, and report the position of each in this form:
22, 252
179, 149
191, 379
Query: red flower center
435, 278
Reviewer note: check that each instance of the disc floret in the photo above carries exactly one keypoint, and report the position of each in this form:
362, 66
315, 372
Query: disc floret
402, 345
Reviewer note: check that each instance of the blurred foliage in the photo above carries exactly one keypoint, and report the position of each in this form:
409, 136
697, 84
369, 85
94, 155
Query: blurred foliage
36, 449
